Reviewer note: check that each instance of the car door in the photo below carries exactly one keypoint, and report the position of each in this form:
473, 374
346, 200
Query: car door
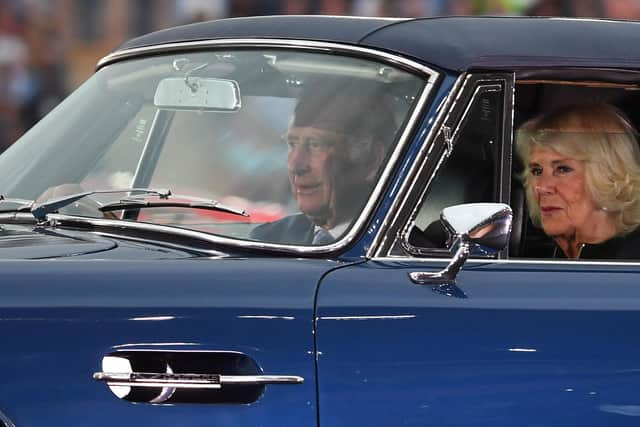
517, 342
175, 314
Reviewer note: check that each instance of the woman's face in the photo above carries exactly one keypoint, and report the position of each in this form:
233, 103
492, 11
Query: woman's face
559, 186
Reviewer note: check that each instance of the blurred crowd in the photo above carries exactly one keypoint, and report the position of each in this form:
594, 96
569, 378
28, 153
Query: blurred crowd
31, 70
207, 9
48, 46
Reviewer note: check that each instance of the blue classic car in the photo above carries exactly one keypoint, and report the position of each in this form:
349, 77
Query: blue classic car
314, 221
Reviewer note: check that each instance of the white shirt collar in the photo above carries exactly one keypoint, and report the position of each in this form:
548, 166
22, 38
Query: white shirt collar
336, 231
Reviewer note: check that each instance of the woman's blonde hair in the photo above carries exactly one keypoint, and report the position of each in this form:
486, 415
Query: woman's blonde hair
604, 139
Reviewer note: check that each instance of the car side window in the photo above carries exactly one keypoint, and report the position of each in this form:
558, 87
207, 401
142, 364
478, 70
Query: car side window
597, 116
471, 173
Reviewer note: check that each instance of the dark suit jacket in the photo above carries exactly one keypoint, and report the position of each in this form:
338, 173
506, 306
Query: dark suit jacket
293, 229
623, 247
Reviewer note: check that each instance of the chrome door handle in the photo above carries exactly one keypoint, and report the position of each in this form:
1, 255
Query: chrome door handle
190, 381
233, 377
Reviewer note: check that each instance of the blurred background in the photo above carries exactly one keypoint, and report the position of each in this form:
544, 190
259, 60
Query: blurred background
48, 47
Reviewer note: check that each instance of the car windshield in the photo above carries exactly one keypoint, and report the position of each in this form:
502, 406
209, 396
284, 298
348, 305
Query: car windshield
295, 140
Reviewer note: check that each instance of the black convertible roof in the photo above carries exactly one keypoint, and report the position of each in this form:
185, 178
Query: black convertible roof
453, 43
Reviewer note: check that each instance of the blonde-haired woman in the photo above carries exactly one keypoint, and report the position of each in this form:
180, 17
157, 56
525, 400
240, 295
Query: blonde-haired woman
582, 180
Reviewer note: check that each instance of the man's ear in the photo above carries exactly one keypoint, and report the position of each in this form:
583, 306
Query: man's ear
377, 156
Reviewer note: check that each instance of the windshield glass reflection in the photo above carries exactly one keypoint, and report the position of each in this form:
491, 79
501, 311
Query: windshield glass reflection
294, 140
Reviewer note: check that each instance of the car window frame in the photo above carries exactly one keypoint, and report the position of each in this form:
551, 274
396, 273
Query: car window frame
589, 78
454, 115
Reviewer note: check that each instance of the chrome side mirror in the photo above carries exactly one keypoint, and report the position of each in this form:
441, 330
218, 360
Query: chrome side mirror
474, 228
486, 226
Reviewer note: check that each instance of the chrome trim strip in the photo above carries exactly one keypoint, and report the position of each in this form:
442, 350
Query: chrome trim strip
564, 262
261, 379
274, 43
56, 219
409, 180
190, 381
353, 230
506, 162
149, 379
5, 421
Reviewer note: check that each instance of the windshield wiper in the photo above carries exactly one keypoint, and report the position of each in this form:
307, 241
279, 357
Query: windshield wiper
40, 210
172, 201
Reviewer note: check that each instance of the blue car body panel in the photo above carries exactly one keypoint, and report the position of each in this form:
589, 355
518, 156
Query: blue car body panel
531, 345
60, 317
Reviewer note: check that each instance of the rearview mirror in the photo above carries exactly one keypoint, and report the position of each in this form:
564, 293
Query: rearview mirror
197, 94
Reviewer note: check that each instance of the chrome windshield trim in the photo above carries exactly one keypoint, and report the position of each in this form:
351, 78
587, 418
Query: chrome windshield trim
57, 219
5, 421
404, 63
272, 43
417, 167
564, 262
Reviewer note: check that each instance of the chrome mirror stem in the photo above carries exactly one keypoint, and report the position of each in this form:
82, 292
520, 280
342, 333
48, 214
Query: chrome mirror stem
448, 275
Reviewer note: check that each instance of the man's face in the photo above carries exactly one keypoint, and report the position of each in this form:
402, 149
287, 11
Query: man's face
321, 176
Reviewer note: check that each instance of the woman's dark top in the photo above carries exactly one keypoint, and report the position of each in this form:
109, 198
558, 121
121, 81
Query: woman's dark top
625, 247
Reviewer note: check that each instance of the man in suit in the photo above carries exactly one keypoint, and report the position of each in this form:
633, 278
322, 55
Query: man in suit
336, 142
